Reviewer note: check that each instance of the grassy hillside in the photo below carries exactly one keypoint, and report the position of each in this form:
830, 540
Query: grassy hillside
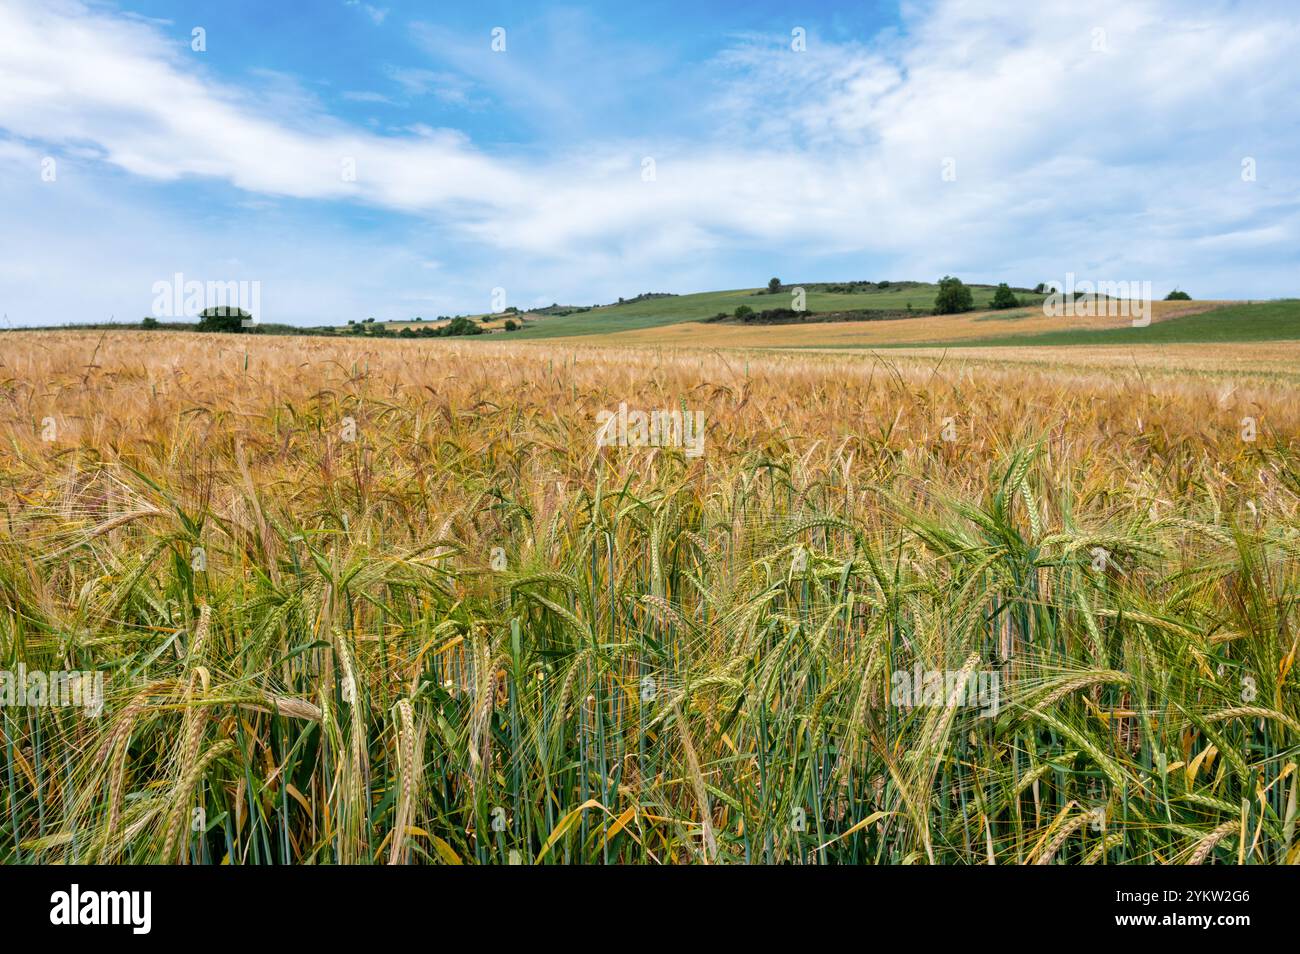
632, 316
916, 331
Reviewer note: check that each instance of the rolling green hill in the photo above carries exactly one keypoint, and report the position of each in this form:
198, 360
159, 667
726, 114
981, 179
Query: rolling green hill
1262, 321
652, 313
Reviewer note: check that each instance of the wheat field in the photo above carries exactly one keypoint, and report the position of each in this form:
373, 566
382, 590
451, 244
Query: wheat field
390, 602
890, 332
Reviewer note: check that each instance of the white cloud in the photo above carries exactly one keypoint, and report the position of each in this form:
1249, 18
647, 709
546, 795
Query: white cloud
446, 86
1067, 156
377, 15
363, 96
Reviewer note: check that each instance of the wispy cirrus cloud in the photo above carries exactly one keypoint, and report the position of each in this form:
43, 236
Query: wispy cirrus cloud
447, 86
377, 15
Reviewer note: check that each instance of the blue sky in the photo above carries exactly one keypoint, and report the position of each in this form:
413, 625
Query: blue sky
1125, 141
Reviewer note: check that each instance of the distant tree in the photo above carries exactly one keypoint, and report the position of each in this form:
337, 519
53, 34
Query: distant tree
418, 318
773, 286
1177, 295
148, 322
953, 296
462, 326
370, 321
1040, 289
884, 284
1004, 297
223, 318
406, 333
511, 324
744, 312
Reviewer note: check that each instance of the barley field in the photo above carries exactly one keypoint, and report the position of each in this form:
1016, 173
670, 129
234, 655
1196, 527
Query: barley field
389, 602
969, 327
